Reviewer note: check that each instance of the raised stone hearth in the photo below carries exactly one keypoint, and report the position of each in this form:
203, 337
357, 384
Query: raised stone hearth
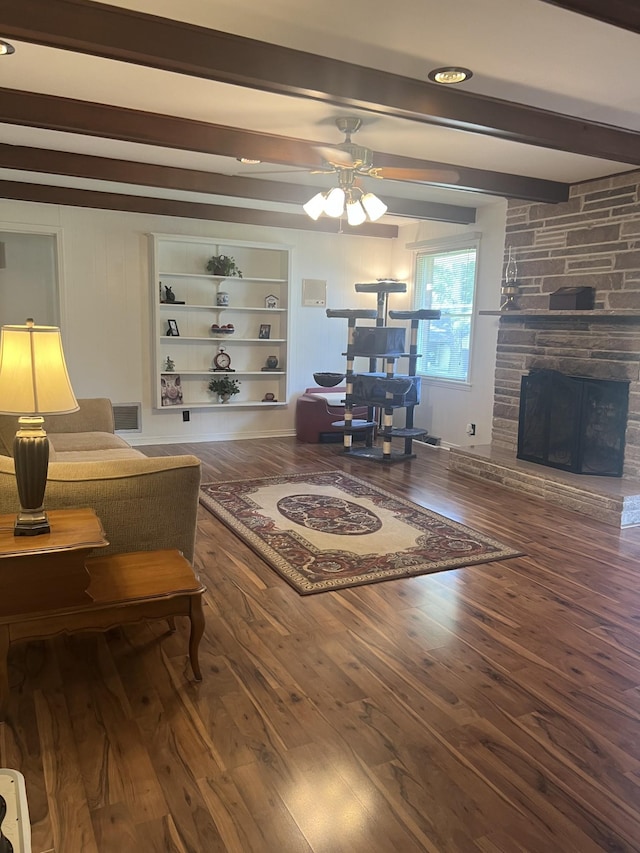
610, 499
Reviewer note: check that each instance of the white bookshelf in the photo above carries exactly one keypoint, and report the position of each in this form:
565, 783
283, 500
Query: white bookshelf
179, 262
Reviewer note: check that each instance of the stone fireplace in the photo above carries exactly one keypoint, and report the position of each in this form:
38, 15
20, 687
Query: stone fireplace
598, 345
602, 346
593, 240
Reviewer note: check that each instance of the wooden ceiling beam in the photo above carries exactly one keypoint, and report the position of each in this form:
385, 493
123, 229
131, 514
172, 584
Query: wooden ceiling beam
619, 13
48, 161
43, 194
130, 36
32, 109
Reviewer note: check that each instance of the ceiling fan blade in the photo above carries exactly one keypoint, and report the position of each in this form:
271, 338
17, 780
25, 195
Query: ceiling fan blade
430, 176
335, 156
243, 173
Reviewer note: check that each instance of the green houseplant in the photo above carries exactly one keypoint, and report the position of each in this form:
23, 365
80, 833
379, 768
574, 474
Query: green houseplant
224, 386
223, 265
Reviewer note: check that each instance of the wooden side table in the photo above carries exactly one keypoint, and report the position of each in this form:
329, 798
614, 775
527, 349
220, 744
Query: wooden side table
49, 586
39, 572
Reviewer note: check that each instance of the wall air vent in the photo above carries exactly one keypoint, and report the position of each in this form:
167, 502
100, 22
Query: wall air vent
128, 417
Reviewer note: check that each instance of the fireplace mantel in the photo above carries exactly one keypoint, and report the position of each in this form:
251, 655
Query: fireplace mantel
591, 314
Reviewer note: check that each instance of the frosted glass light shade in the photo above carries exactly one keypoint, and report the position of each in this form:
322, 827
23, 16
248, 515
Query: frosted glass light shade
334, 205
33, 372
315, 206
374, 207
355, 213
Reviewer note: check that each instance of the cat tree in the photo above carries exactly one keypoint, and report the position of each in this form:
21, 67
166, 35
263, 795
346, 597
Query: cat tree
380, 388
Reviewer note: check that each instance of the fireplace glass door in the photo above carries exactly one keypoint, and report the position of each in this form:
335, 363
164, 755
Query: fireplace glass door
573, 423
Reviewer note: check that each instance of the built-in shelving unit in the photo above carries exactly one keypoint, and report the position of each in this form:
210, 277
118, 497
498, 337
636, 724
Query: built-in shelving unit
179, 262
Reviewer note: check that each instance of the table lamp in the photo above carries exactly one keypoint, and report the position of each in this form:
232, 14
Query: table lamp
33, 382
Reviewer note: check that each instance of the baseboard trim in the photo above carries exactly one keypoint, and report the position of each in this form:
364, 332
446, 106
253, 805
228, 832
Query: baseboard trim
200, 439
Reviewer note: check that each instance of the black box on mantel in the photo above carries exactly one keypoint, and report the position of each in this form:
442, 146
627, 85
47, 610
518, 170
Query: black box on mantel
572, 299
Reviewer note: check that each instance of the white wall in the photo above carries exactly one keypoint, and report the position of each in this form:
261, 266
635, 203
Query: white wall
105, 313
447, 408
105, 309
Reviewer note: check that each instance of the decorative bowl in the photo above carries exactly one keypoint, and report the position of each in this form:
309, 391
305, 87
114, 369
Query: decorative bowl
328, 380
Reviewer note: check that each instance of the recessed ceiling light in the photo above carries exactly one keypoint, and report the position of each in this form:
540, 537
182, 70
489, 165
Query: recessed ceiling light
450, 75
6, 48
247, 161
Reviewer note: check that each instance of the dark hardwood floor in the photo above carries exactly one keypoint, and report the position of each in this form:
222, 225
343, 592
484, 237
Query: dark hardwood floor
495, 708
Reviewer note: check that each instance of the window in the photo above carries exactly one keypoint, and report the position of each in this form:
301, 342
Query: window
445, 278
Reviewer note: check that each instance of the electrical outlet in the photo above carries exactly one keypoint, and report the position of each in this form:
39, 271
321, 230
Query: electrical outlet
471, 429
186, 417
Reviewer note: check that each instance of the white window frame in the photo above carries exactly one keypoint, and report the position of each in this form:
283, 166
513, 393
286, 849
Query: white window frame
442, 246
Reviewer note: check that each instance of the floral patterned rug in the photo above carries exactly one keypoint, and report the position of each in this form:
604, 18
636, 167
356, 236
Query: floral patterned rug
325, 531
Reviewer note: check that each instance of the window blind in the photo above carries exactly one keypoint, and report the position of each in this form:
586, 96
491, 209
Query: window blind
445, 279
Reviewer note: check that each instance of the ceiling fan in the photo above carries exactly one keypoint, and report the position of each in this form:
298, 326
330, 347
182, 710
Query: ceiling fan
349, 162
347, 156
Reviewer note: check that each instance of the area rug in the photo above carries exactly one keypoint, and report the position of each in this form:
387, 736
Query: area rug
325, 531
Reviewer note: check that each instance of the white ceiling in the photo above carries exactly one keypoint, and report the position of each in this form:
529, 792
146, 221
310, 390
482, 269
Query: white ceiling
524, 51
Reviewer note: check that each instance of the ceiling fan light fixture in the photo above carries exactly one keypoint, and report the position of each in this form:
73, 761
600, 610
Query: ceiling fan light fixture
355, 212
373, 206
6, 48
450, 75
315, 206
334, 204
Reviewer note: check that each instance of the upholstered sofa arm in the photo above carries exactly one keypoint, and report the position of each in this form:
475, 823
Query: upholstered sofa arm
144, 504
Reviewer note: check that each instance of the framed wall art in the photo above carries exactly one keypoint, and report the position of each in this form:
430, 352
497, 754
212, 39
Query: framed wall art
170, 389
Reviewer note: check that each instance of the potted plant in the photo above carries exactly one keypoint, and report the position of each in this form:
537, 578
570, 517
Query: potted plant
223, 265
225, 387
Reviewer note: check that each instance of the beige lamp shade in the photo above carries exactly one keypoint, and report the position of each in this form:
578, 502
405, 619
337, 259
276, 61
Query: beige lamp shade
33, 373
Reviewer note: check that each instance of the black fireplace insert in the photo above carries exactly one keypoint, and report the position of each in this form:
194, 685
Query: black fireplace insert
573, 423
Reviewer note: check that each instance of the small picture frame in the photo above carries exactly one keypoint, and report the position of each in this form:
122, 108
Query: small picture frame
271, 301
265, 331
170, 390
172, 330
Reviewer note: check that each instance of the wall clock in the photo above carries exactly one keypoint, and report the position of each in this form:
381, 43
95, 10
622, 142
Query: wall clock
222, 361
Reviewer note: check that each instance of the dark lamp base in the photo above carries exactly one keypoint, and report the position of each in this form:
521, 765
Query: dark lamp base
31, 458
28, 526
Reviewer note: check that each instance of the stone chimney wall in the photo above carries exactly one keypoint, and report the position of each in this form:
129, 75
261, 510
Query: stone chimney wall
591, 240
